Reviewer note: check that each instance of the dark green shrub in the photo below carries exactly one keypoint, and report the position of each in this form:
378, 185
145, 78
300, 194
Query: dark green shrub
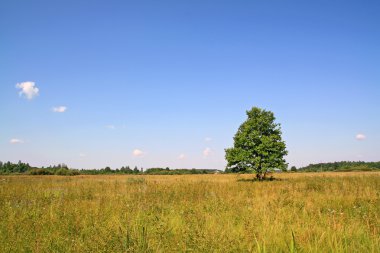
40, 172
66, 172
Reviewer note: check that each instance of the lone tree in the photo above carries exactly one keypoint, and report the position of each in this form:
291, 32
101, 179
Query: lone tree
257, 145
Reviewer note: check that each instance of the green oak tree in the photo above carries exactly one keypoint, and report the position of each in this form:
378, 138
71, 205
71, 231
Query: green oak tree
258, 145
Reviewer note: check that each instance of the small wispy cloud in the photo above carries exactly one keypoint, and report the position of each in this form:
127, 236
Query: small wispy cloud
137, 153
207, 152
110, 127
82, 155
28, 89
15, 141
59, 109
181, 156
208, 139
360, 137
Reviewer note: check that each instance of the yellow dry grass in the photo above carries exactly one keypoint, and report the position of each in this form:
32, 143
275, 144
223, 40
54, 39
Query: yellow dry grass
301, 212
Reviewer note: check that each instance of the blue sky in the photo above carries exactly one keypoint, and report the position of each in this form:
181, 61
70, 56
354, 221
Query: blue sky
167, 83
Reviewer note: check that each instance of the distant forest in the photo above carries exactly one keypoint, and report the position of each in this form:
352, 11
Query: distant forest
341, 166
62, 169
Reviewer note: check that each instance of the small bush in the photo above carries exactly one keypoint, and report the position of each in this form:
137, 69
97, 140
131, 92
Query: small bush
40, 172
66, 172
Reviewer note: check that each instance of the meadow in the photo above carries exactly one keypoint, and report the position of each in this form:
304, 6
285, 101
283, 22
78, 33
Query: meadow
299, 212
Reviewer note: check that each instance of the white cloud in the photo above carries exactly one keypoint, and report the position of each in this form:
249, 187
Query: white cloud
111, 127
208, 139
360, 137
137, 153
16, 141
28, 89
82, 155
207, 152
181, 156
59, 109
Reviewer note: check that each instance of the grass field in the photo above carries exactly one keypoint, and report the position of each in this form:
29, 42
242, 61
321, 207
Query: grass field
313, 212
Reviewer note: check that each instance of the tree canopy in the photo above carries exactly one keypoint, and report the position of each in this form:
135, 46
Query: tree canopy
258, 145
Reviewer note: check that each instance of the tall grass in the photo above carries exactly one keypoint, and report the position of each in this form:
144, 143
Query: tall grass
329, 212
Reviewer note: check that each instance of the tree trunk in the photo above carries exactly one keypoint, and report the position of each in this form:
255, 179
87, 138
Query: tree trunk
259, 174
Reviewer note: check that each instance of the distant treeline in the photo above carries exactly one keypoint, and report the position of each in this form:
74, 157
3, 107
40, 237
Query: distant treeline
150, 171
25, 168
64, 170
342, 166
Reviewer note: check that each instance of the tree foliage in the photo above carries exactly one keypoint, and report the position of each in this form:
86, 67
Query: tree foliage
258, 145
